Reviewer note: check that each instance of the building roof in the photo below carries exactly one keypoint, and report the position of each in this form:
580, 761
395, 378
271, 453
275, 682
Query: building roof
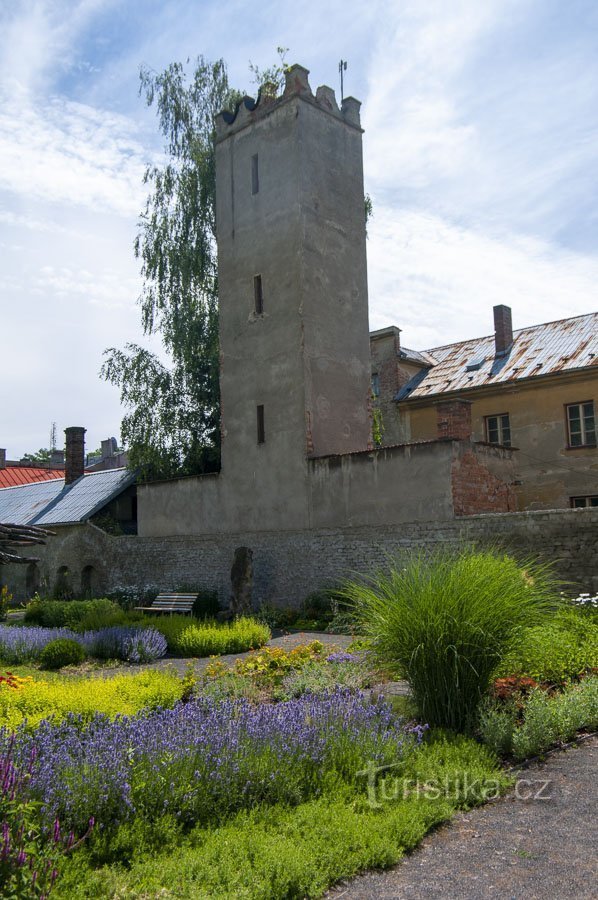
10, 476
549, 349
54, 503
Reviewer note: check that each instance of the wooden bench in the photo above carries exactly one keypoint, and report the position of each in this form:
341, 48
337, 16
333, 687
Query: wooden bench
171, 603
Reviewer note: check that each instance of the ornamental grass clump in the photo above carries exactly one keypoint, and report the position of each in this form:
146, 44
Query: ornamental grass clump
444, 620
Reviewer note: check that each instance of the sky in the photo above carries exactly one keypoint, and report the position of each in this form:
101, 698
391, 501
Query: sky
480, 155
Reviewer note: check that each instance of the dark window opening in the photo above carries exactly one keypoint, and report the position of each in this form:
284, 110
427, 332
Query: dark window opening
580, 424
255, 175
498, 430
376, 384
258, 295
583, 502
261, 431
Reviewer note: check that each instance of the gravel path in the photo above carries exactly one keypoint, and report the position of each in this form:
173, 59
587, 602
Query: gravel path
516, 847
288, 641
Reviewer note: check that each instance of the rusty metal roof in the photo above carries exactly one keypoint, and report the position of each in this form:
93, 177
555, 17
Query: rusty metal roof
549, 349
15, 475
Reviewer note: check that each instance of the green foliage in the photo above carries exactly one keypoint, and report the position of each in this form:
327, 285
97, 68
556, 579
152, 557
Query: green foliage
377, 424
119, 695
535, 724
317, 676
71, 613
43, 455
277, 851
271, 80
5, 600
62, 652
209, 640
559, 650
171, 424
444, 620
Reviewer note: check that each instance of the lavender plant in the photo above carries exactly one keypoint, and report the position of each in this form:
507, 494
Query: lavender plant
128, 643
203, 760
29, 859
18, 645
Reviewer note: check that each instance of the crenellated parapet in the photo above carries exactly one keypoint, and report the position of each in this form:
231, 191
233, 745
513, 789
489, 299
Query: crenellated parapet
249, 110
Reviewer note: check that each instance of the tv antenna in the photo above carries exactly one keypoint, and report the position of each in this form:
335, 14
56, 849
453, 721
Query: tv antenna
342, 67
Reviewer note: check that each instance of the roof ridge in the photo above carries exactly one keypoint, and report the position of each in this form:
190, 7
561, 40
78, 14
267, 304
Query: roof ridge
516, 331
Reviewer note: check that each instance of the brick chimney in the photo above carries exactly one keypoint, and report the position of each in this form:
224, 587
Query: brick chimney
2, 458
74, 466
453, 419
503, 330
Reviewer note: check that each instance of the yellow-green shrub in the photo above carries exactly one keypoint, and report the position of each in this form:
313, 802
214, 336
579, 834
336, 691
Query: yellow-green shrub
121, 694
209, 640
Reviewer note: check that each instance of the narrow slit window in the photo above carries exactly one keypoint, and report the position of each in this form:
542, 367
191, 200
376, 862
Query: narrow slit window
261, 431
255, 175
258, 295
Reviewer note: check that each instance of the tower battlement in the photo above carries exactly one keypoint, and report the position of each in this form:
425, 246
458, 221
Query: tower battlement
249, 110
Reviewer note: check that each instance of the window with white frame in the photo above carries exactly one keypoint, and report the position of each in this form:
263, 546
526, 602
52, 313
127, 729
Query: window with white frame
498, 429
581, 426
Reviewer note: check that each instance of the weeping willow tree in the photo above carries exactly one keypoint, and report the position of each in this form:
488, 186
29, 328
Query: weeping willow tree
171, 423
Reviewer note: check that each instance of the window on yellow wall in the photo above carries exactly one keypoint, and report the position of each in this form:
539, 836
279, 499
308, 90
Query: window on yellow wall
581, 428
498, 429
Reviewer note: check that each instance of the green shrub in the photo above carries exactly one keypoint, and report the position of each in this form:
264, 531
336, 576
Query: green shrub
5, 599
560, 650
215, 640
540, 721
444, 620
118, 695
68, 613
62, 652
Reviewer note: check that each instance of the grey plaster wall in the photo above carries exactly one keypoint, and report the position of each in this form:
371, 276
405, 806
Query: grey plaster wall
304, 357
383, 486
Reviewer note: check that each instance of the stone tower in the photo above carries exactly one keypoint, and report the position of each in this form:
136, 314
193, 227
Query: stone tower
294, 339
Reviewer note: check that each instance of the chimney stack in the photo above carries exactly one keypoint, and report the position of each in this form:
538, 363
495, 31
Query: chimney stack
453, 419
503, 330
2, 458
75, 454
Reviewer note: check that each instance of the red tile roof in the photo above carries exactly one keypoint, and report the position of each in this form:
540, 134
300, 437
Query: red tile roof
12, 476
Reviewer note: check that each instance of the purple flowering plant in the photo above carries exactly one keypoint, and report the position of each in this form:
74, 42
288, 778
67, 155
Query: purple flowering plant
203, 760
18, 645
29, 854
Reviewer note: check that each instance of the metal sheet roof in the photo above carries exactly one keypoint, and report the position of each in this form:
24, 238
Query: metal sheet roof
548, 349
14, 475
53, 503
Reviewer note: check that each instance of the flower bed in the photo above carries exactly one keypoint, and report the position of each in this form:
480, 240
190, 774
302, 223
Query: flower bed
126, 643
203, 760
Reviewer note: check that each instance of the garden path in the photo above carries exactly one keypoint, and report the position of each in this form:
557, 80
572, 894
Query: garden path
512, 849
287, 641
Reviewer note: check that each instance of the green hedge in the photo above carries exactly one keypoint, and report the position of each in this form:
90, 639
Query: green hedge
561, 649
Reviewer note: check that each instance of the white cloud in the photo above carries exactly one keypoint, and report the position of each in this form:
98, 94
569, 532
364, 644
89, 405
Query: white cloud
438, 280
68, 152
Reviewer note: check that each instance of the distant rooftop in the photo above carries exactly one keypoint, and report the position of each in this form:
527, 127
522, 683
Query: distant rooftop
13, 475
53, 503
552, 348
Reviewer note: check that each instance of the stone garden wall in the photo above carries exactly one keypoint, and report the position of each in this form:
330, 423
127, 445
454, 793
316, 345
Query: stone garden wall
288, 565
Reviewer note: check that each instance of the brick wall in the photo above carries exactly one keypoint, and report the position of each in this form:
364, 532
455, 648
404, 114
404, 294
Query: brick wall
290, 565
475, 488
